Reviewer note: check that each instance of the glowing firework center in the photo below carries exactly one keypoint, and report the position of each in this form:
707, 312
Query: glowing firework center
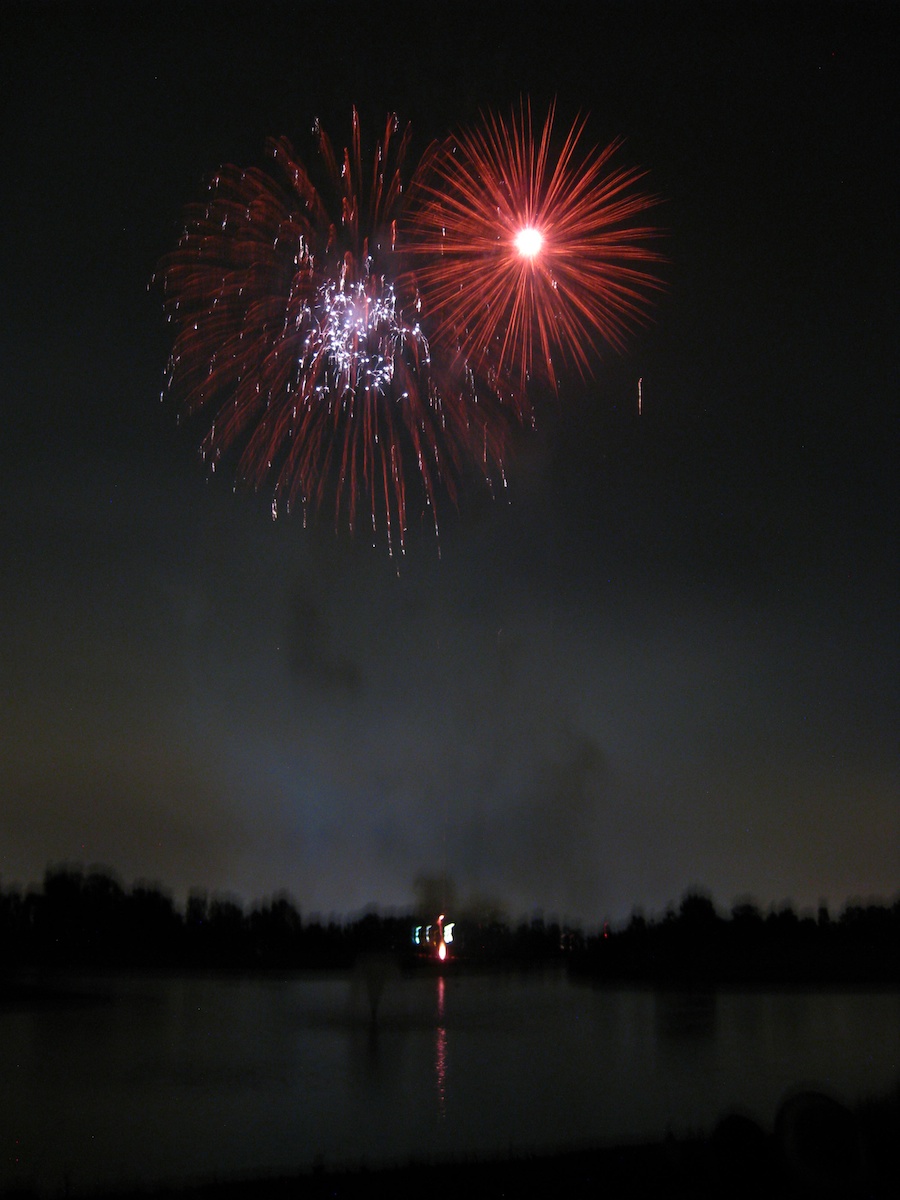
434, 940
529, 242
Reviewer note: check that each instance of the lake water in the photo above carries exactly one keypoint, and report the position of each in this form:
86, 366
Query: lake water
172, 1079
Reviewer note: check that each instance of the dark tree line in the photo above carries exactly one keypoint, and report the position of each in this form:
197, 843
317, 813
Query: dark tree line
696, 945
87, 918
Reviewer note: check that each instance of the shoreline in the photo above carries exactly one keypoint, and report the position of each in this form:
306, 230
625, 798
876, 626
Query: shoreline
815, 1148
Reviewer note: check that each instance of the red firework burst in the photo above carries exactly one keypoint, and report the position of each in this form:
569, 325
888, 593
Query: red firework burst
530, 253
297, 328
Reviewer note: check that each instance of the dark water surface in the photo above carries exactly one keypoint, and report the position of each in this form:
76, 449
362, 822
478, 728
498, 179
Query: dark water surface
167, 1079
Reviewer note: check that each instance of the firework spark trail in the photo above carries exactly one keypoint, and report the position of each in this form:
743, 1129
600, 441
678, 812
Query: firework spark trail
296, 325
353, 339
526, 255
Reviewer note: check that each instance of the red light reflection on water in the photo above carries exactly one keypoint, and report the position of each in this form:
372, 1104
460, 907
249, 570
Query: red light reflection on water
440, 1051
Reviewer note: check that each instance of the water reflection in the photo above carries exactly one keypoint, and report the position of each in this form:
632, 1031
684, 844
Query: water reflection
264, 1075
440, 1051
685, 1014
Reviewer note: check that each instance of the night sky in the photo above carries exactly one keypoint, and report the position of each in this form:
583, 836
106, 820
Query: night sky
665, 657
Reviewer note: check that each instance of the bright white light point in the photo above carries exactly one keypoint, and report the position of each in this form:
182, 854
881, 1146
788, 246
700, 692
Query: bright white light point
529, 241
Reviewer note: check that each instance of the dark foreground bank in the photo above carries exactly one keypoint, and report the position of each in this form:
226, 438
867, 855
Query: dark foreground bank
816, 1148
